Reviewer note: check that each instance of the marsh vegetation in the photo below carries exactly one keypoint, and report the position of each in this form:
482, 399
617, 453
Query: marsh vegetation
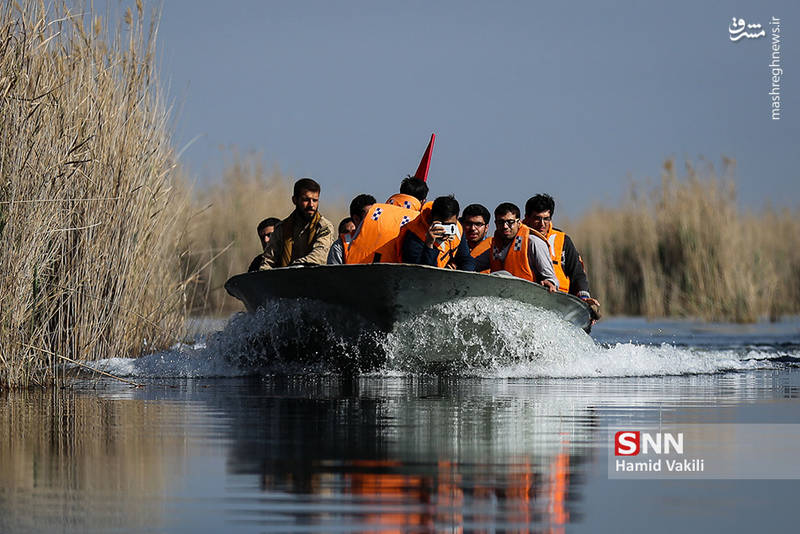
91, 206
685, 247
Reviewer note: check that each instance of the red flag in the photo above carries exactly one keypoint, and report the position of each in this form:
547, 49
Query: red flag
425, 164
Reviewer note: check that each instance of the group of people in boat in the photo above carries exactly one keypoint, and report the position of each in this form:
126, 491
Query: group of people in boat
408, 228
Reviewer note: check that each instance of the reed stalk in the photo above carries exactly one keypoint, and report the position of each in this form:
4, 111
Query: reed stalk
91, 205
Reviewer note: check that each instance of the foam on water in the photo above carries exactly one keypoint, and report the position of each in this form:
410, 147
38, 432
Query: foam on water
483, 337
498, 339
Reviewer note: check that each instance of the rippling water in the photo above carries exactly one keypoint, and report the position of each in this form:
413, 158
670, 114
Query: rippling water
514, 439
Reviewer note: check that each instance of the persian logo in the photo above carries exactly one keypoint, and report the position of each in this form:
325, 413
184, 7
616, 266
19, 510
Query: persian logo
737, 29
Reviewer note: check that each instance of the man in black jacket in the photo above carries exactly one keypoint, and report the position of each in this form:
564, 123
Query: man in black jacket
567, 262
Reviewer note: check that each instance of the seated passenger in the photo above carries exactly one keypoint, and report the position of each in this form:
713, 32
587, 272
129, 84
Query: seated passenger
475, 220
412, 195
264, 229
305, 236
359, 207
567, 262
347, 226
518, 250
425, 241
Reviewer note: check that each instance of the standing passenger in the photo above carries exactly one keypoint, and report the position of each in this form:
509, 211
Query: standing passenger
412, 195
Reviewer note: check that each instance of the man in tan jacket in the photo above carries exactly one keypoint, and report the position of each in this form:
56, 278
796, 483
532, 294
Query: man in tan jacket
305, 236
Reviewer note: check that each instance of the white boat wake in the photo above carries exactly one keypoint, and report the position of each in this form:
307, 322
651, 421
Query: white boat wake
481, 337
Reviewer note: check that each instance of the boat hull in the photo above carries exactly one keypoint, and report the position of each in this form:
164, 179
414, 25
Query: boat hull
386, 293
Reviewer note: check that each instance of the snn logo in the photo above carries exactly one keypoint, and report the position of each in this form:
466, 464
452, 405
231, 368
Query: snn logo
631, 443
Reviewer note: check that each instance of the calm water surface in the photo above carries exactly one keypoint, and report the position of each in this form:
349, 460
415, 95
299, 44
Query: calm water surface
396, 451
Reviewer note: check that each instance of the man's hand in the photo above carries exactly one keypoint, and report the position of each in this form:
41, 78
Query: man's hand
551, 287
435, 235
594, 309
592, 302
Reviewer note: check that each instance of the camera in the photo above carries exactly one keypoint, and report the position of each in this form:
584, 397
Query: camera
447, 229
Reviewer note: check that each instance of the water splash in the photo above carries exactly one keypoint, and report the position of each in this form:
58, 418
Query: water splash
495, 338
481, 337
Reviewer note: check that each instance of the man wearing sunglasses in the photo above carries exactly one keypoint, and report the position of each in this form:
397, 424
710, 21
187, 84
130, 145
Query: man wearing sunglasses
519, 250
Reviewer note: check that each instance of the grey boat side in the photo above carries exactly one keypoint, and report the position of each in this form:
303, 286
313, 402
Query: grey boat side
385, 293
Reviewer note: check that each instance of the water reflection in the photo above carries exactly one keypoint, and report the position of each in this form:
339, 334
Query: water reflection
418, 455
82, 462
329, 454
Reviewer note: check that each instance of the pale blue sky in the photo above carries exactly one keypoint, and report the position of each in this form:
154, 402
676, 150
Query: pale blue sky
525, 97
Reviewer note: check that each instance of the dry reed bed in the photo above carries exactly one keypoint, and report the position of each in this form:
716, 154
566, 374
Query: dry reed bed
90, 207
685, 248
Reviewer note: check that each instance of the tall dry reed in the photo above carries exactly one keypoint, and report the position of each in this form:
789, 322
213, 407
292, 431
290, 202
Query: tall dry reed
686, 248
222, 238
90, 204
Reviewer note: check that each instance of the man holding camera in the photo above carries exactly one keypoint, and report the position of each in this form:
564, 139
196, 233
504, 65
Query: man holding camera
435, 238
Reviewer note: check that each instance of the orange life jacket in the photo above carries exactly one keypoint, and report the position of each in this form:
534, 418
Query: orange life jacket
405, 201
420, 227
375, 240
480, 248
555, 241
346, 239
516, 261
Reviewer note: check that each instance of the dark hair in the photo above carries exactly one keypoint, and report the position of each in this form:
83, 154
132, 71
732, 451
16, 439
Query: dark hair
476, 210
444, 207
343, 224
305, 184
414, 187
358, 204
506, 207
540, 203
269, 221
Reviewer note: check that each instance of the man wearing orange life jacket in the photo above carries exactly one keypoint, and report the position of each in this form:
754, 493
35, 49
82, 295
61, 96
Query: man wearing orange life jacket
475, 220
518, 250
567, 262
376, 239
427, 239
359, 207
412, 195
